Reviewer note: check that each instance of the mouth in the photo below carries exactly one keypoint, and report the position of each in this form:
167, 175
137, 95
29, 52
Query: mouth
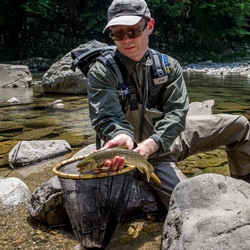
129, 48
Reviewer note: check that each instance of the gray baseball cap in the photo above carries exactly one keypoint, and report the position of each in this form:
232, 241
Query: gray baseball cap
127, 12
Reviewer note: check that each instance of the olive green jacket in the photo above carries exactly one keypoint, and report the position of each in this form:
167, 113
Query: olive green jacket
110, 114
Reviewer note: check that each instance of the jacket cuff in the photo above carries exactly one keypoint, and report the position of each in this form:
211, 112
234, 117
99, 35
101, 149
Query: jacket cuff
157, 139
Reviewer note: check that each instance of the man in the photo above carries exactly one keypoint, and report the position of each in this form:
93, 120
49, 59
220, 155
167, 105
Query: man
158, 127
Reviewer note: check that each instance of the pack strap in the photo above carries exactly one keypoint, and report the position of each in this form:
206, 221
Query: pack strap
125, 82
160, 72
109, 58
157, 65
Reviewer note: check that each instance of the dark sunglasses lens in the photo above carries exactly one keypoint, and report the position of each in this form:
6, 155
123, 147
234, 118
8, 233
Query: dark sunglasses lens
135, 33
118, 36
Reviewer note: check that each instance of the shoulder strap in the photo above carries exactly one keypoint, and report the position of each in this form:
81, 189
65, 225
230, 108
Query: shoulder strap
160, 72
84, 58
125, 83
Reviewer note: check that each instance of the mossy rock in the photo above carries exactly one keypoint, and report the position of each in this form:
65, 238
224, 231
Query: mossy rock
10, 127
40, 123
6, 146
210, 162
38, 134
76, 139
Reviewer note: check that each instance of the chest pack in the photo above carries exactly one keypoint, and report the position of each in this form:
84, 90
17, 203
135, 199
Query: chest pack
83, 59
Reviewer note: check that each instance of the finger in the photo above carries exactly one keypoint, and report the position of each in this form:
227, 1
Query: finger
104, 168
121, 163
130, 144
115, 163
107, 163
110, 144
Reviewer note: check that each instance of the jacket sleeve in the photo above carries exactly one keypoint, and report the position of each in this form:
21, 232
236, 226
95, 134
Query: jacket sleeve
105, 110
175, 108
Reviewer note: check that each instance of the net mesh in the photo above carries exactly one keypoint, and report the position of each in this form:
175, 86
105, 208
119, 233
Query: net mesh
96, 207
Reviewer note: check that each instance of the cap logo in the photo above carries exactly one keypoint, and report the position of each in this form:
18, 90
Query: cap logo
126, 8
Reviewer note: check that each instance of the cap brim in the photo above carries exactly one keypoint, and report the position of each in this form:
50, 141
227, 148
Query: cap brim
123, 20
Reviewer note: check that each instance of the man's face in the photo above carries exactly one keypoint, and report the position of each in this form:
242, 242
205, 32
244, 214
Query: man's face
134, 48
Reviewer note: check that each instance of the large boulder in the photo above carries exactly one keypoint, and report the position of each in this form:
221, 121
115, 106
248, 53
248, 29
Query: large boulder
15, 76
13, 192
208, 212
30, 152
47, 204
61, 79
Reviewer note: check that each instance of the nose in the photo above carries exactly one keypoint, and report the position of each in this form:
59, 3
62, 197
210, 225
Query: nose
127, 36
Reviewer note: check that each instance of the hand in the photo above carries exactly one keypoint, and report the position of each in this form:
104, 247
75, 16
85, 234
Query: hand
117, 162
123, 140
147, 148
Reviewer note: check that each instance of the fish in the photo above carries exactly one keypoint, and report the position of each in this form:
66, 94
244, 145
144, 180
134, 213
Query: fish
132, 159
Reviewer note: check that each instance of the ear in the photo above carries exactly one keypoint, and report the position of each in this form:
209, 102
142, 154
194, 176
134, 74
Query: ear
151, 25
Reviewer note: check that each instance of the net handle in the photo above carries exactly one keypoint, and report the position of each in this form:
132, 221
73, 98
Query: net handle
83, 176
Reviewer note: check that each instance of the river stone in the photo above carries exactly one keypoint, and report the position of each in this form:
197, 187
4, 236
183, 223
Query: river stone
15, 76
201, 108
61, 79
13, 192
30, 152
47, 204
208, 212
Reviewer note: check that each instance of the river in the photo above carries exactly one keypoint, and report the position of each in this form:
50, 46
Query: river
38, 119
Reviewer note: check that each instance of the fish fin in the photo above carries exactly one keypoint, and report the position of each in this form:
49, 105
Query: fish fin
130, 166
155, 178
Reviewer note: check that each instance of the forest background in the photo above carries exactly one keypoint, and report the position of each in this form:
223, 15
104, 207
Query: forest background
190, 31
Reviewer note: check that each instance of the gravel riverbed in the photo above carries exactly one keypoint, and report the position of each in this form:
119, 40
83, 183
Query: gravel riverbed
19, 231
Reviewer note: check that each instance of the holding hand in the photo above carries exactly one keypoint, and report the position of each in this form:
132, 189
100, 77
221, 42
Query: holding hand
145, 148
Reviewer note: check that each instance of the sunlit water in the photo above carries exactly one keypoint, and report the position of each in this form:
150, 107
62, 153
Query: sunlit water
38, 119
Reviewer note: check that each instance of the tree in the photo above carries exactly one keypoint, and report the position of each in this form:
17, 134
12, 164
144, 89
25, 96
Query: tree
200, 22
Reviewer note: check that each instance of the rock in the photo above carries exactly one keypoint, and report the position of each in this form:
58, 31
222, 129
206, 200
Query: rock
12, 193
13, 100
208, 212
201, 108
246, 72
15, 76
223, 69
58, 104
30, 152
61, 79
47, 204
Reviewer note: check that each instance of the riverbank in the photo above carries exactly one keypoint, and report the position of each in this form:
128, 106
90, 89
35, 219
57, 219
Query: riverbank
209, 67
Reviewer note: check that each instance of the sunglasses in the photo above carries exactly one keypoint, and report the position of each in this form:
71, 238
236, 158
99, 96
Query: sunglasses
134, 33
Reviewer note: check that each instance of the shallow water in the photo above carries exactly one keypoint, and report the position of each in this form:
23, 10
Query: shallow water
38, 119
231, 93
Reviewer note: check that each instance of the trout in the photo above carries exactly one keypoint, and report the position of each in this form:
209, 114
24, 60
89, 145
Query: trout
132, 159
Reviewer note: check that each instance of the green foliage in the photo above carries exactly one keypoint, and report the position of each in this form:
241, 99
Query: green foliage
28, 25
93, 16
43, 8
200, 22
